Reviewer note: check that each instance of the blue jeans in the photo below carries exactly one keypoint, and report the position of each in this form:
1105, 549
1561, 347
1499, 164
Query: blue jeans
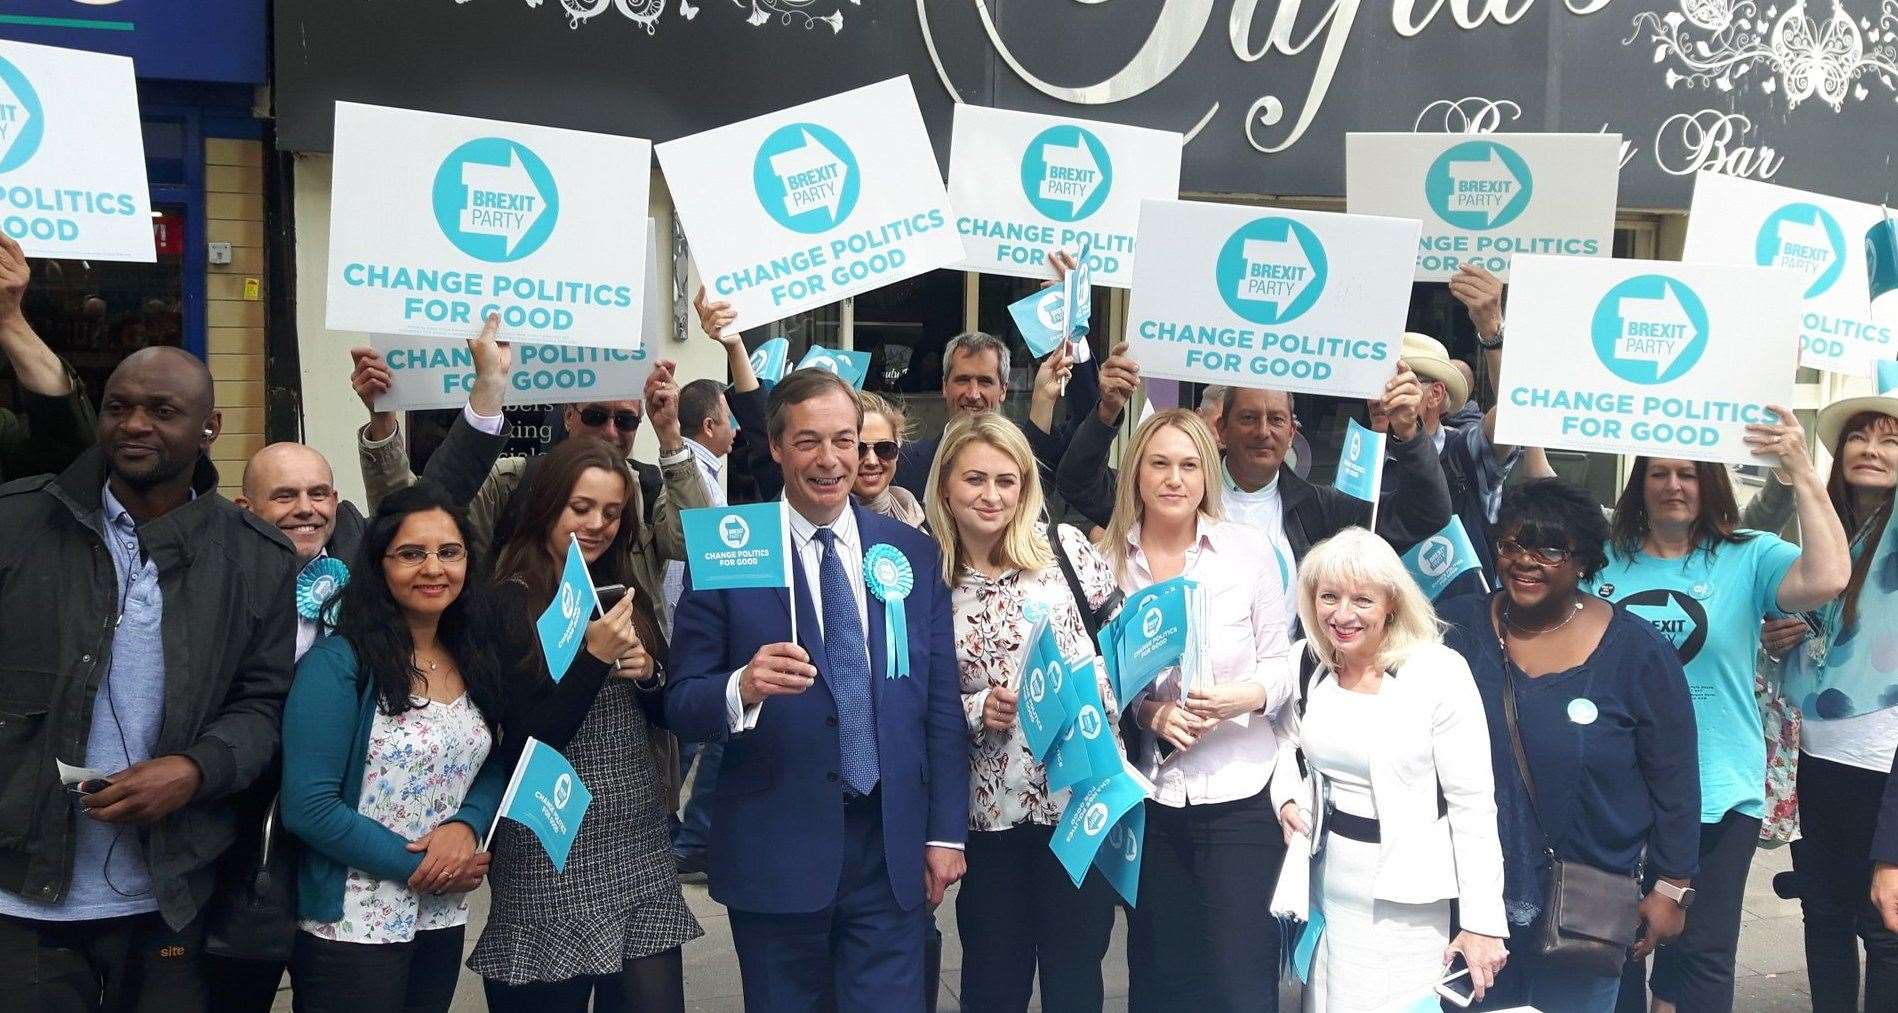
693, 833
1553, 990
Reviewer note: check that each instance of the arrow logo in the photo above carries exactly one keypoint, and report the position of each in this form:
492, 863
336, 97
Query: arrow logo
1069, 174
1678, 617
1484, 186
1804, 247
502, 200
1053, 312
813, 177
1656, 330
16, 116
1276, 271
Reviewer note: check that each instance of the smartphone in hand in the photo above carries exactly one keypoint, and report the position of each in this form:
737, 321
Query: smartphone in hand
1456, 985
610, 596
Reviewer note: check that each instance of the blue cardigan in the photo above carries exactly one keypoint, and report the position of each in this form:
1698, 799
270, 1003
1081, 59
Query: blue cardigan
326, 724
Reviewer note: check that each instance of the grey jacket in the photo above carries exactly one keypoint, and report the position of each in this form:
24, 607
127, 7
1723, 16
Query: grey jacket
229, 632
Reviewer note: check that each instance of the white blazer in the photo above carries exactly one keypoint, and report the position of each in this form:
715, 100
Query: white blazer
1434, 735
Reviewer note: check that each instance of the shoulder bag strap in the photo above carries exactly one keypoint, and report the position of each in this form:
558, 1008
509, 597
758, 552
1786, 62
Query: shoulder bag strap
1515, 742
1093, 619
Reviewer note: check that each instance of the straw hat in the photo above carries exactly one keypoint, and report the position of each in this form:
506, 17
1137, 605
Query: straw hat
1833, 417
1429, 360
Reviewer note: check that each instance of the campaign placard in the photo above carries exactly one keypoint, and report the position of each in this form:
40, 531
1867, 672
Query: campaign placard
1744, 221
1305, 301
1483, 199
72, 155
807, 205
1026, 185
1646, 357
437, 221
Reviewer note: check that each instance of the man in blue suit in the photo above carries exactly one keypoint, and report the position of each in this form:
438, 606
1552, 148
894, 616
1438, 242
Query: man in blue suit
843, 795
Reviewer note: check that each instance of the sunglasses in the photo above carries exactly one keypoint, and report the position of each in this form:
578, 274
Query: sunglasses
885, 449
1546, 555
625, 419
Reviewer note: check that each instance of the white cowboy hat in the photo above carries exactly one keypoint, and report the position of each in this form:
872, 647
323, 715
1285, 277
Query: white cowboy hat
1427, 358
1833, 417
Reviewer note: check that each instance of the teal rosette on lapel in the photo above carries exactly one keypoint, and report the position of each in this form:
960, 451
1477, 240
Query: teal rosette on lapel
891, 579
318, 583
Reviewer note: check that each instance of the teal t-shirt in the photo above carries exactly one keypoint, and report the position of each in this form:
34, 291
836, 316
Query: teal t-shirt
1710, 606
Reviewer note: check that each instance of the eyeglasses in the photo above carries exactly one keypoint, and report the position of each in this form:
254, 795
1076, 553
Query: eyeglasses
885, 449
625, 419
1546, 555
415, 555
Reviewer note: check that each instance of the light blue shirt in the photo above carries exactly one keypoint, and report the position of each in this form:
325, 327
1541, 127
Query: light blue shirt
1709, 607
109, 875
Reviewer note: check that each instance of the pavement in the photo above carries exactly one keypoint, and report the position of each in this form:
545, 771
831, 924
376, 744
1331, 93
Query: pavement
1771, 978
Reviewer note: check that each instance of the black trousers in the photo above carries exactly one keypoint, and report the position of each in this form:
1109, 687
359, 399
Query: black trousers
414, 977
1017, 911
654, 984
1203, 937
242, 986
134, 964
1695, 972
1838, 813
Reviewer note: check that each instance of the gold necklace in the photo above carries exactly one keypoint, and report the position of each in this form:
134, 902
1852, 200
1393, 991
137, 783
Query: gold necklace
1511, 623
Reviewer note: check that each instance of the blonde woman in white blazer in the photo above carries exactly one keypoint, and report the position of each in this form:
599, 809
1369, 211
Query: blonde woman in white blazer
1392, 733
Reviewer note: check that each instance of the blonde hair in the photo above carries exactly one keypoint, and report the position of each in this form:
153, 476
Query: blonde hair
1357, 558
1128, 510
871, 403
1021, 546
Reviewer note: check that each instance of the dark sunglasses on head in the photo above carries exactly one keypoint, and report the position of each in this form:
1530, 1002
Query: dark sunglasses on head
596, 417
885, 449
1544, 554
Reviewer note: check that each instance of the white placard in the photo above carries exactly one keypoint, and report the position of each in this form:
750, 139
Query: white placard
72, 155
1302, 301
436, 221
1822, 239
807, 205
1645, 357
430, 374
1025, 185
1487, 198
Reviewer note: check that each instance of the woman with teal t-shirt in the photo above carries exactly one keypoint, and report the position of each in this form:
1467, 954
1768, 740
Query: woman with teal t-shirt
1679, 559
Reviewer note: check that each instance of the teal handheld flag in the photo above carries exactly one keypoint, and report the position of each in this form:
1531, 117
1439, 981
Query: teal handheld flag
1042, 319
1437, 561
1881, 256
1361, 463
851, 365
1091, 811
1043, 691
546, 796
1152, 634
1119, 856
769, 360
562, 627
739, 546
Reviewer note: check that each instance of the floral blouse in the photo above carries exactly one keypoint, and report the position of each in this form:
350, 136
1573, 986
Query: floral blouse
994, 616
418, 770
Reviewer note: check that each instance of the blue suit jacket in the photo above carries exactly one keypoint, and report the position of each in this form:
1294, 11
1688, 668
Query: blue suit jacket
777, 814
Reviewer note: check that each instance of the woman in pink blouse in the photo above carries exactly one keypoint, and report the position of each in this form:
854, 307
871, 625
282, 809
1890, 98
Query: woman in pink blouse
1017, 909
1202, 936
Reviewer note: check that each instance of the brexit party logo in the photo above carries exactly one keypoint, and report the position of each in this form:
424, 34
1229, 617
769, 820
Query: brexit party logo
22, 120
1806, 238
1271, 270
1095, 819
495, 200
1435, 556
1066, 173
1478, 185
806, 178
1650, 329
1680, 617
734, 532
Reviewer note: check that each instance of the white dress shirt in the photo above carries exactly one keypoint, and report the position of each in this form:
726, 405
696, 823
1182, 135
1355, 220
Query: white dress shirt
810, 554
1264, 510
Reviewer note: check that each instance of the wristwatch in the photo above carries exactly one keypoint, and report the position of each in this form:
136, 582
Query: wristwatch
1493, 341
1682, 895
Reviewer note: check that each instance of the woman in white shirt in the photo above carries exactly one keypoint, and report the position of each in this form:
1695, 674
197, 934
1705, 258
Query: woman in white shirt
1386, 735
1202, 936
1017, 910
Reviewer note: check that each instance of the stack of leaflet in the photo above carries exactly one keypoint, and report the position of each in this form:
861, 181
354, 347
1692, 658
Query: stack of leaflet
1153, 632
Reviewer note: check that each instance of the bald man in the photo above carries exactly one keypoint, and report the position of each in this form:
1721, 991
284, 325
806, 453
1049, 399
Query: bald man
291, 488
147, 640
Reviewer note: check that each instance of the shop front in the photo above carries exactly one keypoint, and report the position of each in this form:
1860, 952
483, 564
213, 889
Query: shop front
200, 68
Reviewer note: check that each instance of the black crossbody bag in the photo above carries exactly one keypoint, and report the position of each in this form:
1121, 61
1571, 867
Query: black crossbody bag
1589, 915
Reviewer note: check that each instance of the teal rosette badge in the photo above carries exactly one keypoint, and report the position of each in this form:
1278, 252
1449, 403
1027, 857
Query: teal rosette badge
318, 583
891, 579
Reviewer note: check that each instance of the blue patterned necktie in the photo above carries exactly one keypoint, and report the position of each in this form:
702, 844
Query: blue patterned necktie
849, 671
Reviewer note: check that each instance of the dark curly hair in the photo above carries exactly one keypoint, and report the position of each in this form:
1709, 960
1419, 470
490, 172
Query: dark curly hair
366, 614
1558, 514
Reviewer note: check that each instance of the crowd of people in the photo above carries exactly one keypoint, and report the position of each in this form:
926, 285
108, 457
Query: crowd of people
211, 770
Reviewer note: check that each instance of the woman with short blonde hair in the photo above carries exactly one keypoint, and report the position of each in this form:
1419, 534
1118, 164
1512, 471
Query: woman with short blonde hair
880, 439
1353, 559
1017, 910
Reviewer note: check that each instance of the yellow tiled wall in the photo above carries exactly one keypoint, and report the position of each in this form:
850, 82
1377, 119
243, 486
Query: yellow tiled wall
234, 336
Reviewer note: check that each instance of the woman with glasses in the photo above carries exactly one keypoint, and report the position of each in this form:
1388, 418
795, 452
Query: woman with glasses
1389, 730
605, 932
1679, 559
1589, 702
1017, 909
880, 439
390, 774
1203, 934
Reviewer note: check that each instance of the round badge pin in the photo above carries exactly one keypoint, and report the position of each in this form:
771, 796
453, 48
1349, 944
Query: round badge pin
1583, 711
